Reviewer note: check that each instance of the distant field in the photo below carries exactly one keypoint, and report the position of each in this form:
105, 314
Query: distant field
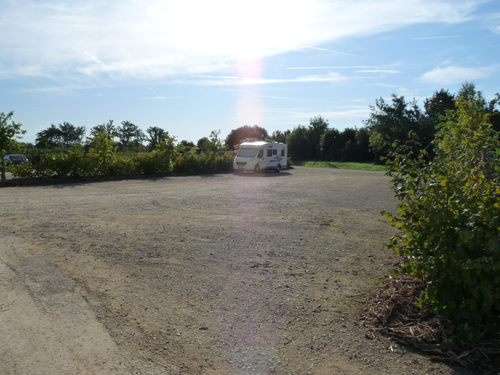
339, 165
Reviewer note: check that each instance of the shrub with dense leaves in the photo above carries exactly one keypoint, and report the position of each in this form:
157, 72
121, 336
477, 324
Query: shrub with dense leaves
449, 216
103, 160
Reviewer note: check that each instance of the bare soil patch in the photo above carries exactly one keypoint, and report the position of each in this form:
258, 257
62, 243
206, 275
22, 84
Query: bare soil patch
218, 274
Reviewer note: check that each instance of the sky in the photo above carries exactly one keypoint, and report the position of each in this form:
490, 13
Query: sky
195, 66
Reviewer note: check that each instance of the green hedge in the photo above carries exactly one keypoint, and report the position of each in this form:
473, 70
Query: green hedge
449, 217
77, 164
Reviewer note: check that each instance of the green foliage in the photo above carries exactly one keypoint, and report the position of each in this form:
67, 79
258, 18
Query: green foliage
449, 215
187, 162
16, 147
214, 144
297, 143
280, 136
236, 136
158, 161
342, 165
108, 128
155, 136
304, 143
394, 120
331, 144
194, 161
8, 133
130, 135
23, 170
377, 144
63, 135
102, 159
201, 142
102, 152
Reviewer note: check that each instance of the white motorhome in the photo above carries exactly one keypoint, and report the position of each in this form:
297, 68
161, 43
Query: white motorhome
260, 156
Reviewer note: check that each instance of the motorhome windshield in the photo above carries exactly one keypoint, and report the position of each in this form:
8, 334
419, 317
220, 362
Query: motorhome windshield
248, 152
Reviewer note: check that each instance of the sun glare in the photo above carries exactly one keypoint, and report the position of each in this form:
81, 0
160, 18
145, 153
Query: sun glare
243, 30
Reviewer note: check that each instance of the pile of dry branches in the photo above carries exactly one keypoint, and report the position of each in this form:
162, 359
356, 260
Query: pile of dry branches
394, 312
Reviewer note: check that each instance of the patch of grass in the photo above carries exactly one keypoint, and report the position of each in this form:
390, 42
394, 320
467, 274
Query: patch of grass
340, 165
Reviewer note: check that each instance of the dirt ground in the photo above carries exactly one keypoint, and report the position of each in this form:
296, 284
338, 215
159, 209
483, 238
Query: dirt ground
215, 274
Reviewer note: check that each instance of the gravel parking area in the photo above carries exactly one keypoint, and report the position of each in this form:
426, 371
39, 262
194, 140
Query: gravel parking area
211, 274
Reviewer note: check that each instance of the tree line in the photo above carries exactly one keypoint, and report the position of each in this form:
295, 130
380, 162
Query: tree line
129, 135
389, 123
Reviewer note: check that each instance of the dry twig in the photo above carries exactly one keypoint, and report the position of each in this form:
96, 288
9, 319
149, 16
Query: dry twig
394, 312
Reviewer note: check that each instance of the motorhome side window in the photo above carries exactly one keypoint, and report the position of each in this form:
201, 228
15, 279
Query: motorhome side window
275, 152
269, 152
260, 154
282, 152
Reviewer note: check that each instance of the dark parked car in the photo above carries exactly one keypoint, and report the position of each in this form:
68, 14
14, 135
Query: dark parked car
14, 159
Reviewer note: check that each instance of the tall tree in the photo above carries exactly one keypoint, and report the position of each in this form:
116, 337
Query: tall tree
494, 111
155, 136
9, 130
213, 144
436, 108
236, 136
437, 105
280, 136
71, 134
297, 143
201, 142
187, 144
363, 145
305, 143
377, 144
393, 121
51, 136
317, 127
348, 152
107, 128
64, 134
130, 134
331, 145
468, 91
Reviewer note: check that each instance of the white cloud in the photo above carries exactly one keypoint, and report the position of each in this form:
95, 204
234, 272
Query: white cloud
456, 74
333, 51
355, 112
155, 39
436, 37
492, 22
236, 81
382, 85
333, 67
348, 114
379, 71
155, 98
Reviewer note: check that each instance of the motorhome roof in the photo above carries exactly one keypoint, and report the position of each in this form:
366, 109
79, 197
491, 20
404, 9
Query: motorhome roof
258, 144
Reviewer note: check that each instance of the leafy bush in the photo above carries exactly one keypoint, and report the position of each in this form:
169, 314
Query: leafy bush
120, 165
449, 216
23, 170
103, 160
195, 161
187, 162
